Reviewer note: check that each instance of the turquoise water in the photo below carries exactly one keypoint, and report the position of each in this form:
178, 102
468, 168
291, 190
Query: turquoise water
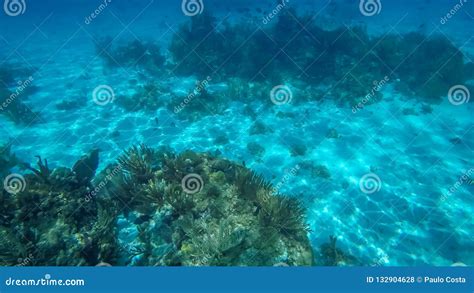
392, 180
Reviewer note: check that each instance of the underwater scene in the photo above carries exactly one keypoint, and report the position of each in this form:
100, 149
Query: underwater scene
236, 133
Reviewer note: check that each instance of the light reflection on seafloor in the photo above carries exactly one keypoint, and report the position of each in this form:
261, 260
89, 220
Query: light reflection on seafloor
361, 115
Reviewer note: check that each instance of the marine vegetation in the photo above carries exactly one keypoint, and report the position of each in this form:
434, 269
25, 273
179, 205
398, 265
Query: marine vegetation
53, 221
188, 209
195, 209
347, 61
345, 64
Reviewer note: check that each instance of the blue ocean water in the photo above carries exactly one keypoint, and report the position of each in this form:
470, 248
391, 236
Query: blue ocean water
392, 180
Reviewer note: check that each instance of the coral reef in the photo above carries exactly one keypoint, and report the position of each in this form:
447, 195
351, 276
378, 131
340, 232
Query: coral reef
53, 221
348, 60
431, 77
228, 217
189, 209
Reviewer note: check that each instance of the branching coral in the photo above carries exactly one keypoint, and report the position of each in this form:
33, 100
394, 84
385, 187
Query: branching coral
43, 172
214, 243
249, 183
154, 192
137, 163
284, 214
180, 201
